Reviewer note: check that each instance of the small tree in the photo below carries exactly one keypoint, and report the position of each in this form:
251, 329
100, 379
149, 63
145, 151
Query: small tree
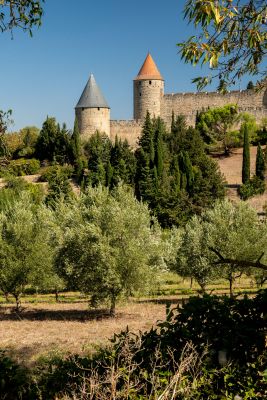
233, 230
109, 246
260, 164
25, 248
246, 156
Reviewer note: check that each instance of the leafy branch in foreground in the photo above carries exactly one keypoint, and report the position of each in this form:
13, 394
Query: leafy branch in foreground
22, 14
232, 39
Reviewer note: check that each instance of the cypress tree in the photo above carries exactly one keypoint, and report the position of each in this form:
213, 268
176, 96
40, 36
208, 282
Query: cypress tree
260, 165
146, 135
246, 157
187, 171
159, 148
176, 176
75, 143
109, 174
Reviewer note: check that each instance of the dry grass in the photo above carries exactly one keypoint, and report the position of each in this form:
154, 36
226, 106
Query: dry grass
231, 167
63, 328
48, 328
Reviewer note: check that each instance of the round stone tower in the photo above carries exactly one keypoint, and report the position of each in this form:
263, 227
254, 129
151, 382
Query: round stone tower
92, 111
148, 90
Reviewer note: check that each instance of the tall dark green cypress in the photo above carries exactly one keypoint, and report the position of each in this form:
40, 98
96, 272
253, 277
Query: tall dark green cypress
146, 135
75, 143
260, 164
159, 148
187, 176
246, 157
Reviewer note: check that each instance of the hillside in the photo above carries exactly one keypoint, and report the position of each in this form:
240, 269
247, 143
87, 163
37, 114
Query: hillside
231, 167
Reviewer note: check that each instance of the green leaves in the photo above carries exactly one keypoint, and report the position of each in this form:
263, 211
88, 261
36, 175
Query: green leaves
24, 14
232, 38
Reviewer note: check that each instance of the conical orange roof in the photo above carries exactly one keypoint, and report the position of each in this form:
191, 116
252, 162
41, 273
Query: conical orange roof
149, 70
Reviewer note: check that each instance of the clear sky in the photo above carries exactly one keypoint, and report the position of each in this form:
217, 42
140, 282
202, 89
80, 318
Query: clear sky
46, 74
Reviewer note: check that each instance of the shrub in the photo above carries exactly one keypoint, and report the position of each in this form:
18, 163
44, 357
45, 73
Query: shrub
252, 188
21, 167
14, 379
49, 173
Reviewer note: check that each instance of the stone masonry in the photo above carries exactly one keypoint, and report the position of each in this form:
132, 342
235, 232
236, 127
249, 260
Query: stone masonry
93, 113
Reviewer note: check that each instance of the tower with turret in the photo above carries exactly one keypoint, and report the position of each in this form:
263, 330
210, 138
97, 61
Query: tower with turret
148, 90
92, 111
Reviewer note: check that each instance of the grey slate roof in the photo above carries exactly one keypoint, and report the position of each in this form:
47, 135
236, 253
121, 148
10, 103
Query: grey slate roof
92, 96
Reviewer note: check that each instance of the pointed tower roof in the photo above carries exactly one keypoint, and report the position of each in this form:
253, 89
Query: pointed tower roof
149, 70
92, 96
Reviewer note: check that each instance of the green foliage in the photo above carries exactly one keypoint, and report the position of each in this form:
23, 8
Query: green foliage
24, 14
48, 173
111, 249
246, 157
53, 143
14, 187
5, 119
233, 230
215, 124
139, 366
25, 248
21, 167
181, 179
15, 380
58, 184
252, 188
75, 150
231, 37
29, 136
250, 85
260, 164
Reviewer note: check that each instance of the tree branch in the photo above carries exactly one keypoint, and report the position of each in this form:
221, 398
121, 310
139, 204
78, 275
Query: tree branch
239, 263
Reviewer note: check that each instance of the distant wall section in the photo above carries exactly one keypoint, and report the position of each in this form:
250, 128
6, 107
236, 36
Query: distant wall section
130, 130
189, 103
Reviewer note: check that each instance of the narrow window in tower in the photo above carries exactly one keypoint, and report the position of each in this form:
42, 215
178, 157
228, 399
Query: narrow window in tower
98, 108
150, 82
140, 94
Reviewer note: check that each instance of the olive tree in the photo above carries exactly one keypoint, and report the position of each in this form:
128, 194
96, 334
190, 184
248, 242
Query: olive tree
110, 244
231, 230
26, 250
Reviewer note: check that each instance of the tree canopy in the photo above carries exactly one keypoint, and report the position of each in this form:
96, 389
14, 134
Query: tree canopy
24, 14
231, 37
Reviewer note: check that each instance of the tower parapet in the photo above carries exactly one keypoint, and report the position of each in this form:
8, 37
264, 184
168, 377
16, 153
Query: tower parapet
92, 111
148, 90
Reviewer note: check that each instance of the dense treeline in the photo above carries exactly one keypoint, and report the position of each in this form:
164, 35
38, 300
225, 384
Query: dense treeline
169, 170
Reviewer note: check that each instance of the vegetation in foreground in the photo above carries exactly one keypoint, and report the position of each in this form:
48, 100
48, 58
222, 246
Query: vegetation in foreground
189, 356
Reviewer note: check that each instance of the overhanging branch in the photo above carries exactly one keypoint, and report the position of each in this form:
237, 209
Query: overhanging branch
239, 263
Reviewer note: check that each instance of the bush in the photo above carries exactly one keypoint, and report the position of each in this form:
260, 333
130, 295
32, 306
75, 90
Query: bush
171, 358
21, 167
49, 173
177, 348
14, 379
254, 187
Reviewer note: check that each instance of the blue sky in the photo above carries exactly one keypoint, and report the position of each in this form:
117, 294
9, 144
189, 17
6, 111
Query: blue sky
45, 75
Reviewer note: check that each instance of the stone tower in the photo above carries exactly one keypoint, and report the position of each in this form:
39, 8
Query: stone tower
148, 90
92, 111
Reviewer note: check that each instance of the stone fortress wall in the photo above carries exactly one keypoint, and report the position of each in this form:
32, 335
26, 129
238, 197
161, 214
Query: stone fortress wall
93, 112
126, 129
189, 103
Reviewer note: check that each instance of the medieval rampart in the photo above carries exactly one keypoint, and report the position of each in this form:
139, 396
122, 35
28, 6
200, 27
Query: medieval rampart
129, 130
189, 103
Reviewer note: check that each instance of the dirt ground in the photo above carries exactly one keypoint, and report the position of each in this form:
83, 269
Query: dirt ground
50, 329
